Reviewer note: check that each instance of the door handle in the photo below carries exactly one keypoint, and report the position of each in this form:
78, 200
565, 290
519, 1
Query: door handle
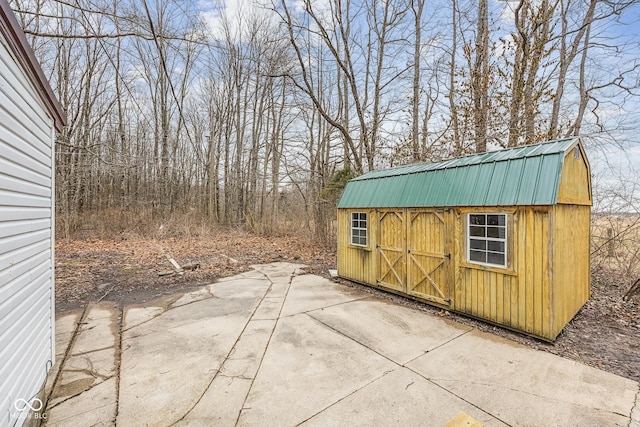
447, 256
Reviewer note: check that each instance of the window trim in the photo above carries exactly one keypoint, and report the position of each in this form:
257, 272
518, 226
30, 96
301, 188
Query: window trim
488, 239
352, 228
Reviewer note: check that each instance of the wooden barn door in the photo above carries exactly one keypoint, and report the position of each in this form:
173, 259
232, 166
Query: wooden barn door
391, 248
428, 256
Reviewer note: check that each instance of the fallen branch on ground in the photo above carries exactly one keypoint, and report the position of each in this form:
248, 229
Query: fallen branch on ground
177, 269
633, 291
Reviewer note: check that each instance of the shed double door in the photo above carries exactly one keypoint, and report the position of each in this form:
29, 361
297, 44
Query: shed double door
413, 254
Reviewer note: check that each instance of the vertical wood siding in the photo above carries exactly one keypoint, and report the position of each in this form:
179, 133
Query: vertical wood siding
356, 263
519, 296
429, 255
391, 248
545, 282
575, 181
26, 239
571, 261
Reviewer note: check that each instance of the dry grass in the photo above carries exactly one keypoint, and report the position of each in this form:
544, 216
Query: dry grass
615, 245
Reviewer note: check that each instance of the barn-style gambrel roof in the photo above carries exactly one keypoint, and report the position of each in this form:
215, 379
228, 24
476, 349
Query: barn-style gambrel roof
527, 175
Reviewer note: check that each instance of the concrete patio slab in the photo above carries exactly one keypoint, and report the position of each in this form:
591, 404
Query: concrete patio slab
307, 369
89, 361
310, 292
400, 395
269, 308
169, 361
94, 407
221, 403
396, 332
274, 346
246, 356
515, 383
66, 325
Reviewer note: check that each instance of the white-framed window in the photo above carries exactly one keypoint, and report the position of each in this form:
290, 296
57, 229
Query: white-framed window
487, 239
359, 228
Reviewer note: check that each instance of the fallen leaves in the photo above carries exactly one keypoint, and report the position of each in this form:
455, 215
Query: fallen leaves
84, 268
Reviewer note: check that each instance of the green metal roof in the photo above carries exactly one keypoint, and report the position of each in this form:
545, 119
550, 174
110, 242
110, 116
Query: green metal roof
527, 175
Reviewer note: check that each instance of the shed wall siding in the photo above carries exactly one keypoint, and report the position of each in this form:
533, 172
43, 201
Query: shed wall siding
575, 182
356, 263
519, 296
26, 239
571, 261
523, 296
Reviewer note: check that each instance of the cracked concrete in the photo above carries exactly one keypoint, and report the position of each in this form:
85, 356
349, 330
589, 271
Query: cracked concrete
275, 346
634, 417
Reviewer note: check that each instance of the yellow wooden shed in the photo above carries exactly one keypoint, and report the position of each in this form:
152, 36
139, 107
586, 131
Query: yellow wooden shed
501, 236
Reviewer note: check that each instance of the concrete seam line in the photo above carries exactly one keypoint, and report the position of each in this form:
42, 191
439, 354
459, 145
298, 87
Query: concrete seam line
266, 347
458, 396
118, 361
408, 368
384, 374
66, 355
90, 351
440, 345
84, 391
634, 416
326, 306
83, 412
229, 353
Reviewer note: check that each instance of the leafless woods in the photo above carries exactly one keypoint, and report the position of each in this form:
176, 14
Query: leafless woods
257, 113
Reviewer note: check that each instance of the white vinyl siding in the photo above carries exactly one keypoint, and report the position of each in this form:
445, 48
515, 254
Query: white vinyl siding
26, 240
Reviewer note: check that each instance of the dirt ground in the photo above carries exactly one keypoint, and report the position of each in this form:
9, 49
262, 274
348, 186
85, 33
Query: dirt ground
605, 333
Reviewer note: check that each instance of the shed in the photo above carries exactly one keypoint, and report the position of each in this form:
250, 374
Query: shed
502, 236
29, 117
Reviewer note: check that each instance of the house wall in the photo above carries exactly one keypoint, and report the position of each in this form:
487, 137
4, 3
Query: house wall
26, 239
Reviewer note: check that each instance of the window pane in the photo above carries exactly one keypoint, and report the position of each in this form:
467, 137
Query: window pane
363, 216
477, 231
354, 216
354, 223
477, 256
492, 219
478, 244
477, 219
496, 232
496, 246
363, 224
494, 258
